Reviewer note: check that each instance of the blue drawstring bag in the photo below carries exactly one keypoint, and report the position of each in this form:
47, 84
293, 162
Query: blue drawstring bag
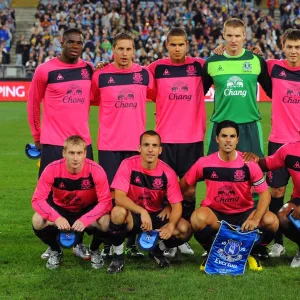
68, 239
230, 250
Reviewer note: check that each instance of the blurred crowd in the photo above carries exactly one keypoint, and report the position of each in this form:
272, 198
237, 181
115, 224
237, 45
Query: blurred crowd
149, 22
7, 30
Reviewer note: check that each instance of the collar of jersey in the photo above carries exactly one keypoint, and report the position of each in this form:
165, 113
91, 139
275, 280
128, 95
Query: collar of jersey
234, 56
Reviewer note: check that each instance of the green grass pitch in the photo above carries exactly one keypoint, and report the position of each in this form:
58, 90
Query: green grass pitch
23, 274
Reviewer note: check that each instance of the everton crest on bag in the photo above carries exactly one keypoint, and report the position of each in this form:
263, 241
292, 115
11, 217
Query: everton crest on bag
230, 250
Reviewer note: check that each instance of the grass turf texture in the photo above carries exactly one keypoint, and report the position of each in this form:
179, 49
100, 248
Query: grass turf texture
23, 274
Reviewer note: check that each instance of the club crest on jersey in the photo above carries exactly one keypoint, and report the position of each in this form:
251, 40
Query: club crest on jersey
239, 175
191, 70
85, 74
137, 78
247, 66
231, 251
86, 184
157, 183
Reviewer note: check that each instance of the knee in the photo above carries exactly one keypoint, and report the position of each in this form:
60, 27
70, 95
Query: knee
198, 220
103, 223
284, 222
278, 192
270, 221
185, 229
118, 215
38, 222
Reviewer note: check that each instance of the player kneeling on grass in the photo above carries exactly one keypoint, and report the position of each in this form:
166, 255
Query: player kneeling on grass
287, 156
81, 201
141, 184
229, 181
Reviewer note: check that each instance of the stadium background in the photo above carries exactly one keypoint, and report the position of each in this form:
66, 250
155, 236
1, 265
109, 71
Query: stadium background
22, 272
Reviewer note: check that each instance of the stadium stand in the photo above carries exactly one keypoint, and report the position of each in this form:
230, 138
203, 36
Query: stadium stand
149, 21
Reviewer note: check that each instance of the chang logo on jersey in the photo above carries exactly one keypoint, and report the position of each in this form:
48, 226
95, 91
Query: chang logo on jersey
73, 95
179, 91
231, 251
291, 97
226, 194
235, 87
126, 99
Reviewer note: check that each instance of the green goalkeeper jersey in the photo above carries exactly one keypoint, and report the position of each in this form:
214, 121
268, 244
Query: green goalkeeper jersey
235, 81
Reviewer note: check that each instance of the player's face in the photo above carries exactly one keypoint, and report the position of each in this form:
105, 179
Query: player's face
291, 50
150, 149
234, 39
72, 46
227, 140
123, 53
74, 155
177, 48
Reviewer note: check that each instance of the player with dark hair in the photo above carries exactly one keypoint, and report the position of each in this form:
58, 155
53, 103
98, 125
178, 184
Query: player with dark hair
180, 104
285, 75
120, 89
81, 201
63, 86
288, 157
228, 197
141, 184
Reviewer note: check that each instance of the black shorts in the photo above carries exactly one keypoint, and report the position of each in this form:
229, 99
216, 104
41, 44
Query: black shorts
234, 219
69, 215
156, 222
51, 153
111, 160
180, 157
295, 201
280, 177
250, 138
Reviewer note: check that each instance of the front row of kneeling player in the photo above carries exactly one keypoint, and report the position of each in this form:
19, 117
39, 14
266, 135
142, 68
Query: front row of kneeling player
81, 199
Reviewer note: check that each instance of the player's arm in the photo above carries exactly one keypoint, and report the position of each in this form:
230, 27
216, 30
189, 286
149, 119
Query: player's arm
123, 201
36, 94
260, 186
152, 88
249, 156
207, 79
40, 195
264, 78
262, 207
104, 204
95, 91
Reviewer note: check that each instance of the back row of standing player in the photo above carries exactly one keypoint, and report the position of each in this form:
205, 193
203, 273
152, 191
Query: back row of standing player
178, 84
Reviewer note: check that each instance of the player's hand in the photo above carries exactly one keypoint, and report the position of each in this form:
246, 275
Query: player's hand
62, 224
257, 50
249, 225
165, 213
146, 221
100, 65
219, 50
296, 213
37, 145
249, 156
166, 231
78, 226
